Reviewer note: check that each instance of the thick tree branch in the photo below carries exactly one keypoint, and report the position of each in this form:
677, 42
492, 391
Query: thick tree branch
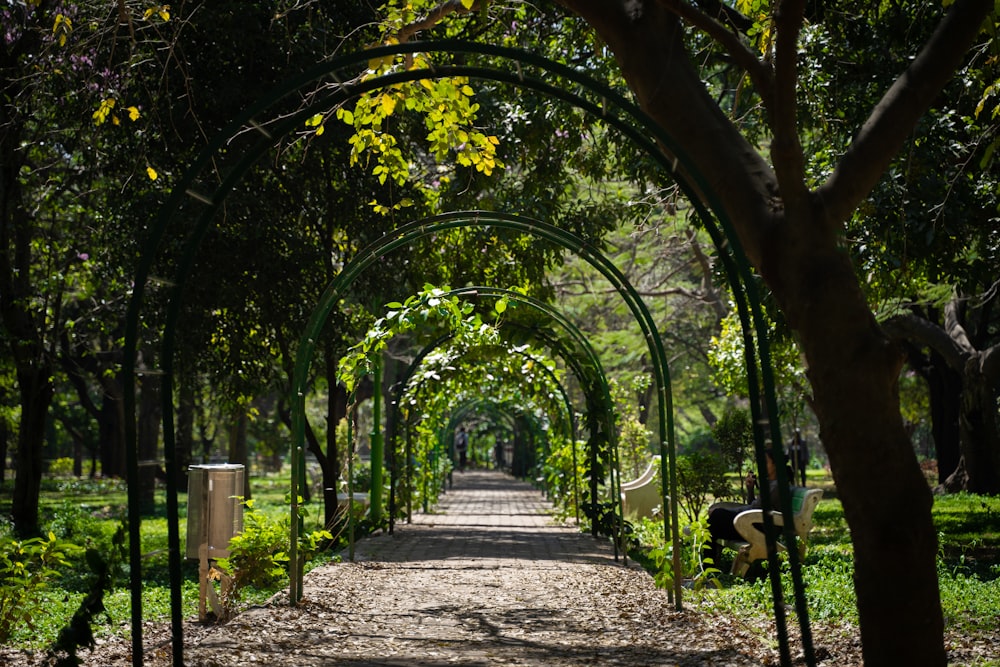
895, 116
786, 149
759, 73
920, 331
726, 14
990, 364
954, 328
435, 16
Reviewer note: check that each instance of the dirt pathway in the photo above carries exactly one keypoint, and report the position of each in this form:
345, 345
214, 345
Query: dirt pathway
488, 579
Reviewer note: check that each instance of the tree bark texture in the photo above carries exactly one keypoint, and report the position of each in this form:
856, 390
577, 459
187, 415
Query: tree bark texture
792, 237
36, 397
148, 441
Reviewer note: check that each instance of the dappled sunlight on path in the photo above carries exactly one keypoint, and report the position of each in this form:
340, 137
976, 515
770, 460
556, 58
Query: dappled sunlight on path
486, 579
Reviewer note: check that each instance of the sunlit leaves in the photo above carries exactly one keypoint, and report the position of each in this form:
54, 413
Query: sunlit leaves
162, 11
316, 121
61, 28
430, 305
448, 111
761, 31
727, 357
104, 111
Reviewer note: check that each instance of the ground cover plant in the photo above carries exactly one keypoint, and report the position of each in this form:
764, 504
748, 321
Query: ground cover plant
80, 515
968, 573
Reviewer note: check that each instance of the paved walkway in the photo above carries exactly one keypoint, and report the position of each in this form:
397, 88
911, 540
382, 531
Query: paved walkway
487, 579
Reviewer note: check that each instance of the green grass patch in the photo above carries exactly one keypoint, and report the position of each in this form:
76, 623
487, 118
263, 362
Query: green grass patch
87, 513
968, 568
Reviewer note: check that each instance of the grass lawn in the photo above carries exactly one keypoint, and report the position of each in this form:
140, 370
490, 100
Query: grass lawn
968, 573
89, 512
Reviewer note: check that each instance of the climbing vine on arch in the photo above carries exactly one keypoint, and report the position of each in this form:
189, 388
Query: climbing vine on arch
475, 362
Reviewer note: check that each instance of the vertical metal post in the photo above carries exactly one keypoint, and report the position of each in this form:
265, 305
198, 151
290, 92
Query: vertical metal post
350, 477
377, 445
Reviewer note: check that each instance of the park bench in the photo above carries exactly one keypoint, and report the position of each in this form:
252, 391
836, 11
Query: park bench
754, 545
642, 495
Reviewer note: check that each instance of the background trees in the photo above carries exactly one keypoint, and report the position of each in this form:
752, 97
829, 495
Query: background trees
790, 227
865, 218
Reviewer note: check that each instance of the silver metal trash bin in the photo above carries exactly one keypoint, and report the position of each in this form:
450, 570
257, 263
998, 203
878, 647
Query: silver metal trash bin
215, 512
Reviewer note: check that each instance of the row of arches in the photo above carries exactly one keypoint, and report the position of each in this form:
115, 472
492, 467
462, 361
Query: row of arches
200, 195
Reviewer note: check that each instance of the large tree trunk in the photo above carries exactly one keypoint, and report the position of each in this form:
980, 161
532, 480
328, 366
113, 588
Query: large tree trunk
853, 370
336, 410
36, 397
793, 237
969, 412
184, 437
980, 440
147, 442
945, 387
111, 430
238, 447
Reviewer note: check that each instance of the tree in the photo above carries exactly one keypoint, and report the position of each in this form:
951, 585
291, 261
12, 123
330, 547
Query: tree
790, 229
790, 226
925, 238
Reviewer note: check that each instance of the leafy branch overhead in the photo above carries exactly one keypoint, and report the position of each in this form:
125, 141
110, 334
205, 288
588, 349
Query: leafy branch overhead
446, 107
431, 305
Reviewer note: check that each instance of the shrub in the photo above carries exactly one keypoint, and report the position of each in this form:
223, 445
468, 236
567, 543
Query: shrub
258, 557
26, 567
734, 433
700, 474
62, 467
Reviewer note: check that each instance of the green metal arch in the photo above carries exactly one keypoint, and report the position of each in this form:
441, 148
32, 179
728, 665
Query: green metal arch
404, 236
571, 415
569, 420
729, 249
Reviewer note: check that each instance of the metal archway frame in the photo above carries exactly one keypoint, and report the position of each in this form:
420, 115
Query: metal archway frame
406, 235
641, 130
399, 389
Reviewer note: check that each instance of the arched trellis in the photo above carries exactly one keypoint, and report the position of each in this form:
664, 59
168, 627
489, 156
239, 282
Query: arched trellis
599, 261
590, 96
400, 388
409, 233
515, 411
592, 373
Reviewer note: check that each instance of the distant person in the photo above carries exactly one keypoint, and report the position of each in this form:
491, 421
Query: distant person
498, 453
462, 447
798, 456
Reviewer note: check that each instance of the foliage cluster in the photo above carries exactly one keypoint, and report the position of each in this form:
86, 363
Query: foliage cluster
27, 567
258, 556
563, 469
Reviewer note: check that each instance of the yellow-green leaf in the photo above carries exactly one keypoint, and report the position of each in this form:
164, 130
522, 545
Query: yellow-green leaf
133, 113
388, 104
152, 173
104, 110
